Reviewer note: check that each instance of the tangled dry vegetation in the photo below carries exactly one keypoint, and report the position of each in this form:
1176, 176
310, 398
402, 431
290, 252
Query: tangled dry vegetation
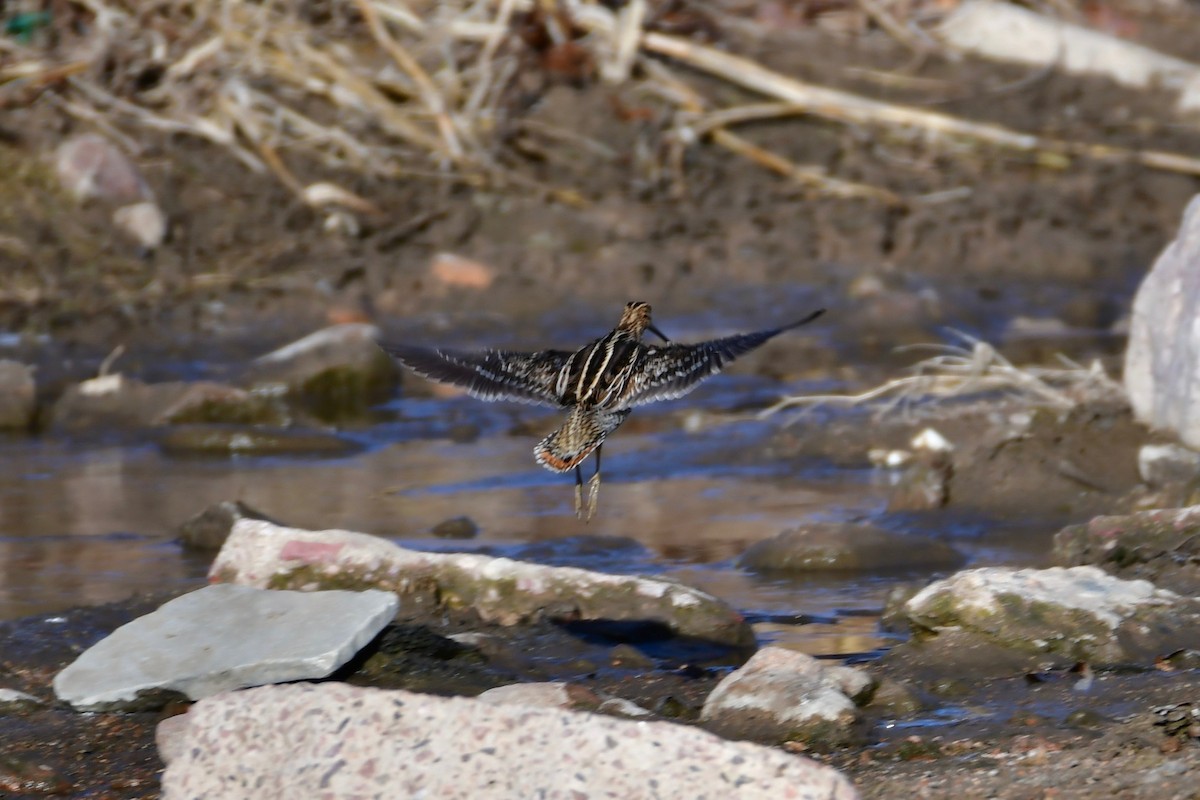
389, 88
972, 369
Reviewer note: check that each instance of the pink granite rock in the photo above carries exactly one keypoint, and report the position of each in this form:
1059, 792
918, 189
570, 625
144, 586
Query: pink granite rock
334, 740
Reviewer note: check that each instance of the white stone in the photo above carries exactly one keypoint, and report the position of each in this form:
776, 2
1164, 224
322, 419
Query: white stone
143, 222
334, 740
1161, 373
784, 694
102, 385
225, 637
1088, 589
1006, 32
12, 698
1163, 463
929, 439
335, 336
777, 671
555, 694
620, 707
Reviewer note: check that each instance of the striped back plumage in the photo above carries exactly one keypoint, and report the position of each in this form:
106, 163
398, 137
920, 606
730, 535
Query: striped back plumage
598, 375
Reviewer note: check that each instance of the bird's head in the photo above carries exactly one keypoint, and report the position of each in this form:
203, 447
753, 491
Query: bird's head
636, 320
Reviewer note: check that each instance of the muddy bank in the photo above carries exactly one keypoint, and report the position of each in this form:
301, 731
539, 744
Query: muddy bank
244, 259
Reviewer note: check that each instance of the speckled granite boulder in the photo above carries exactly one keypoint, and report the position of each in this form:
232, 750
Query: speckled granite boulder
264, 555
335, 740
1053, 615
782, 695
220, 638
1162, 546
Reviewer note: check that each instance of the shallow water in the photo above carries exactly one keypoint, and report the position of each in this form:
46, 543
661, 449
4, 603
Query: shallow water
687, 487
85, 523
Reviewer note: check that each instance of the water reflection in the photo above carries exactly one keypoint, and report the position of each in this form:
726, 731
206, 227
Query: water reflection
89, 524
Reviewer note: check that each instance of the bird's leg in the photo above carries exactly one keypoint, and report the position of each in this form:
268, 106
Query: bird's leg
578, 491
594, 485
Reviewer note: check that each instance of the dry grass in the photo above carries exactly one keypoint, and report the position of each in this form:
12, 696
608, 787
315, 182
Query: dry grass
420, 89
972, 369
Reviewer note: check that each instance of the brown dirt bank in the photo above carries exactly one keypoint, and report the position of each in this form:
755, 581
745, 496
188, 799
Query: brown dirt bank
246, 260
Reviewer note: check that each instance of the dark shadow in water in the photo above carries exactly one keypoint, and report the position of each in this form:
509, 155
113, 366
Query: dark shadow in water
655, 640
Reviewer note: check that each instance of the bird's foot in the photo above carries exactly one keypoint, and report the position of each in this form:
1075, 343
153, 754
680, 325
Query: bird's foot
593, 495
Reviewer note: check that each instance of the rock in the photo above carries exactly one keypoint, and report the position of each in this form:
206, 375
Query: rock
817, 546
1162, 546
782, 695
18, 396
90, 166
1022, 327
336, 740
251, 440
629, 657
456, 528
893, 698
620, 707
112, 401
894, 617
1008, 33
22, 775
142, 222
924, 485
1164, 339
455, 271
209, 529
215, 403
115, 401
11, 700
498, 589
170, 736
556, 694
221, 638
1056, 616
1160, 464
336, 374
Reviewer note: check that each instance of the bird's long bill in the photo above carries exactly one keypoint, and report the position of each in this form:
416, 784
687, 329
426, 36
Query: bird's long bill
808, 319
657, 333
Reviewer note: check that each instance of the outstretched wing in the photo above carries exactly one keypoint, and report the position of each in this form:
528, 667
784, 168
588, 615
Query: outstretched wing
488, 374
672, 371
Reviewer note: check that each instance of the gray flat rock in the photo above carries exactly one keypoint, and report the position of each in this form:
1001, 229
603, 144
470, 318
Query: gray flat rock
222, 638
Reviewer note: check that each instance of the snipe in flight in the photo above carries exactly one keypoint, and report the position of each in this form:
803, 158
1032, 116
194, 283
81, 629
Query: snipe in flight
598, 385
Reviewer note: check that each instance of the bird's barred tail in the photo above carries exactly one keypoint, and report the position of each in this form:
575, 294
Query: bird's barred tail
583, 431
